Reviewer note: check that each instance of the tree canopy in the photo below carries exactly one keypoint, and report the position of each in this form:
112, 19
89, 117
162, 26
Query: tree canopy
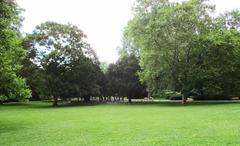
178, 47
167, 47
12, 86
70, 66
122, 79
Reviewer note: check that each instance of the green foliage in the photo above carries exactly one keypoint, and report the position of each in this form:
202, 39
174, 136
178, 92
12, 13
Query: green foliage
104, 66
216, 71
122, 79
34, 75
69, 65
128, 46
11, 53
172, 95
183, 48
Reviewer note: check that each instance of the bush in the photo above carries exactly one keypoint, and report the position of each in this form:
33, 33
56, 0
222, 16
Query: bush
171, 95
177, 97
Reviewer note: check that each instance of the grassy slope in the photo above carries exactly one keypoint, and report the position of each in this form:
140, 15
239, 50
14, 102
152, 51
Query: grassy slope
159, 124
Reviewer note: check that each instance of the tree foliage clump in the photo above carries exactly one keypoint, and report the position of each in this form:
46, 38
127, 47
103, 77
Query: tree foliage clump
12, 86
121, 78
69, 65
184, 48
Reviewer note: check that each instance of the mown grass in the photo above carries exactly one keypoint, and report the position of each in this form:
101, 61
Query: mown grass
39, 124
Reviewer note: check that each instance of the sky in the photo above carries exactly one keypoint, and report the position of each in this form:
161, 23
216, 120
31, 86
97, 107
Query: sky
103, 21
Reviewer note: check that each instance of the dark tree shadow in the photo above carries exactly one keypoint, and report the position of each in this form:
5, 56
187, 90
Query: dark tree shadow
12, 104
48, 105
6, 127
179, 103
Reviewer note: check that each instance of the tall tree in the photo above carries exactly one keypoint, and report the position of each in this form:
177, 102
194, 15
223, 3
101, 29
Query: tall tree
70, 65
123, 79
12, 86
169, 34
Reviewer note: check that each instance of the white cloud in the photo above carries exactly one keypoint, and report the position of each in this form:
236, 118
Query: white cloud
102, 20
226, 5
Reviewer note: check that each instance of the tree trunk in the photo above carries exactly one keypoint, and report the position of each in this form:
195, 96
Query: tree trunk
100, 99
184, 99
55, 101
86, 99
130, 100
201, 93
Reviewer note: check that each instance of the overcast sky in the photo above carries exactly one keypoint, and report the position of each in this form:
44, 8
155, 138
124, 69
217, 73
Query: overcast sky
102, 20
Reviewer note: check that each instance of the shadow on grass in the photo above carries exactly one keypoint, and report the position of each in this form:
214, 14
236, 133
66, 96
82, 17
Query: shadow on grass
160, 104
43, 104
48, 105
14, 104
193, 104
8, 127
179, 103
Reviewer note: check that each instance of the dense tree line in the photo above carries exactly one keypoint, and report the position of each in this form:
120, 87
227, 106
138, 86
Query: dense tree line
61, 65
55, 62
182, 48
122, 80
185, 48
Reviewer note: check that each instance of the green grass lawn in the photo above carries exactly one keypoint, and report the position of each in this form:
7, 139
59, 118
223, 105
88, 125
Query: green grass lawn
39, 124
